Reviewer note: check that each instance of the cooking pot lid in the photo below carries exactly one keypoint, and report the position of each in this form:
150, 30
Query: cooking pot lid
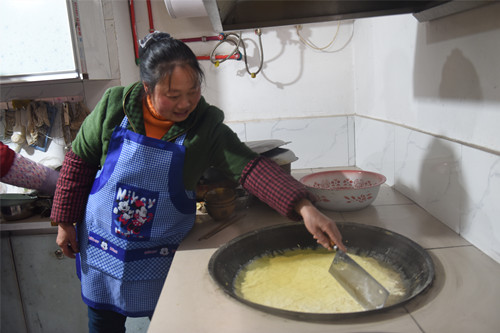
262, 146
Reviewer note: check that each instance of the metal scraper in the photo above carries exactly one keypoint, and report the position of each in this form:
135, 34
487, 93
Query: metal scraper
358, 282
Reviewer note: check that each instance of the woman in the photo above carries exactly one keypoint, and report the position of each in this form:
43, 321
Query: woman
129, 183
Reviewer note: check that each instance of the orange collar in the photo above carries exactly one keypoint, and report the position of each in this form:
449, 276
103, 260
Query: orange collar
156, 127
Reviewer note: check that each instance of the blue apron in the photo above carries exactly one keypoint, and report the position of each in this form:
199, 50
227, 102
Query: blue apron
137, 214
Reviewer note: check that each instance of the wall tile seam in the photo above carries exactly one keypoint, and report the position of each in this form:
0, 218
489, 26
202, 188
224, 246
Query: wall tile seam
439, 136
287, 118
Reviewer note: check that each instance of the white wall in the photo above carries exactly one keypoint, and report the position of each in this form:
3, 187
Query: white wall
427, 113
441, 77
301, 95
295, 81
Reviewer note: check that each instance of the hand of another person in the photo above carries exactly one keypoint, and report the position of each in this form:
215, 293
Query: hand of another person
66, 239
323, 228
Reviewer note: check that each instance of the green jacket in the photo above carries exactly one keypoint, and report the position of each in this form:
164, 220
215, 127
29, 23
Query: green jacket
209, 142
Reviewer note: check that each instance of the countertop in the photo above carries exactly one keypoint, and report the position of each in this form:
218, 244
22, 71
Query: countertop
464, 297
31, 225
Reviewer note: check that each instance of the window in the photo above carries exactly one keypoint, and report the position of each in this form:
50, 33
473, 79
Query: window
37, 41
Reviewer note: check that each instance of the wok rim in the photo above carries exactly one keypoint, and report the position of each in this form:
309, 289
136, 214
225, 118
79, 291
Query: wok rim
313, 316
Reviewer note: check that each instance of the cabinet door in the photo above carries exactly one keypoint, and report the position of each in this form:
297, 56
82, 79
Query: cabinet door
11, 317
50, 289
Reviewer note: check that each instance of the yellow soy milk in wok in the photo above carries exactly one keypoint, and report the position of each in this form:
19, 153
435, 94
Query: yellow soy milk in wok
298, 280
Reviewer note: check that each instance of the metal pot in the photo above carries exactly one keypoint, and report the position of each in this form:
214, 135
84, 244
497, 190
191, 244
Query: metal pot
405, 256
17, 206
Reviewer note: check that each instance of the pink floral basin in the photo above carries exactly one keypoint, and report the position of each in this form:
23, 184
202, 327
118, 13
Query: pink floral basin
344, 190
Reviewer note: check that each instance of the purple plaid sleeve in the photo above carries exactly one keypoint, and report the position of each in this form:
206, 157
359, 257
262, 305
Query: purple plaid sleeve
73, 188
272, 185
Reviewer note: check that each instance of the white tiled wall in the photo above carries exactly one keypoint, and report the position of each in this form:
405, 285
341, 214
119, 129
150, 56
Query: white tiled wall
480, 205
317, 142
427, 170
374, 145
457, 184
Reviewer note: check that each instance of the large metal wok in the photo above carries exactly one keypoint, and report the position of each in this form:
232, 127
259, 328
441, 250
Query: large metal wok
407, 257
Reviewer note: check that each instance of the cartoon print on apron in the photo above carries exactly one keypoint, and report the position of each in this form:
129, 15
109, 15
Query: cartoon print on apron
137, 214
133, 213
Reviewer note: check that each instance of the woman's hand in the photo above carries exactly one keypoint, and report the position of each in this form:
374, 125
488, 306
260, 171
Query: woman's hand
323, 228
66, 239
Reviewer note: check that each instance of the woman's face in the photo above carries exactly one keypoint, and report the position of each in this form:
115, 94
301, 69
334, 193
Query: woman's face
176, 96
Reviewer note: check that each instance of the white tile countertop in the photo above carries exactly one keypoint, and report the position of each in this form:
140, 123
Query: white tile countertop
464, 297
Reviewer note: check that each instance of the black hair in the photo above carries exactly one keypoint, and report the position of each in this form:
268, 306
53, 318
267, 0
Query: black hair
160, 54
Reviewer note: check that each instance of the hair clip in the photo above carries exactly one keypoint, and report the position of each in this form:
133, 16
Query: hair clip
152, 38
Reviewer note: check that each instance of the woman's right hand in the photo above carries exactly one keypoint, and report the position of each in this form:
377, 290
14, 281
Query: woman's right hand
66, 239
323, 228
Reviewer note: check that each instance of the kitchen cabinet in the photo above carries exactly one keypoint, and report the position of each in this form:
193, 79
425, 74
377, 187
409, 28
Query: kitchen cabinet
39, 286
12, 317
49, 287
70, 42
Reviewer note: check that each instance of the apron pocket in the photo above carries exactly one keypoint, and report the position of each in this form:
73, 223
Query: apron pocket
132, 264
